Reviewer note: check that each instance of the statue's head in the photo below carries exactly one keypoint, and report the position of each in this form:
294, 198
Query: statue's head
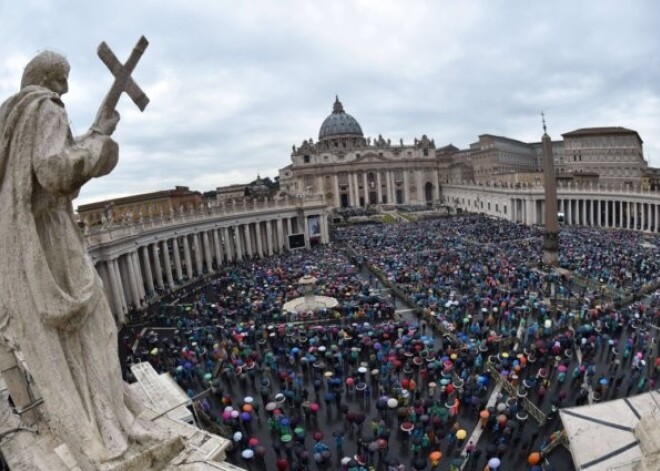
48, 69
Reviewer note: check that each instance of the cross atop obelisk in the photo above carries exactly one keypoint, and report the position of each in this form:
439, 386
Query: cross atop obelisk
545, 129
551, 235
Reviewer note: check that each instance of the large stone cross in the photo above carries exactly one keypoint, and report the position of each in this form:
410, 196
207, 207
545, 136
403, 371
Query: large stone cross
123, 80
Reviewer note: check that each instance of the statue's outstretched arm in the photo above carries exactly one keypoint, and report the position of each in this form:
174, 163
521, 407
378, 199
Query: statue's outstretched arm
63, 165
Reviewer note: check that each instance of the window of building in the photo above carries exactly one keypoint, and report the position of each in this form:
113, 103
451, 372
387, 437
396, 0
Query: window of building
306, 159
426, 152
504, 209
488, 206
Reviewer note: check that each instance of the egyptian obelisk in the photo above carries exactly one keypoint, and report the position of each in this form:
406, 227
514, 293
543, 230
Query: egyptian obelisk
551, 235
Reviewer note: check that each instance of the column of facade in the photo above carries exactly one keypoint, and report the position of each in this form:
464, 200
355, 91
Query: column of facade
146, 265
269, 237
336, 190
167, 261
584, 212
248, 239
365, 188
406, 197
177, 258
207, 251
391, 194
325, 236
642, 215
356, 188
598, 213
289, 227
379, 189
218, 248
305, 230
187, 256
656, 225
157, 268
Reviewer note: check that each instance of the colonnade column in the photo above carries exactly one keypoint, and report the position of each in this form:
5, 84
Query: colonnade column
269, 236
229, 250
157, 267
177, 258
135, 260
248, 240
118, 291
280, 235
335, 179
657, 218
607, 213
218, 248
207, 251
365, 189
132, 280
258, 236
237, 241
147, 269
168, 264
197, 247
188, 258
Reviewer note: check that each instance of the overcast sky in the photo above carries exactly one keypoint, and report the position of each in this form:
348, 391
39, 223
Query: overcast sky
233, 85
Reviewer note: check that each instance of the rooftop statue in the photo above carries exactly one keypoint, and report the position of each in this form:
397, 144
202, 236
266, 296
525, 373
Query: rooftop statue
53, 310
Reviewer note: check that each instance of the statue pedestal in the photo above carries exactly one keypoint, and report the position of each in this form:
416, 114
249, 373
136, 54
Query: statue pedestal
187, 448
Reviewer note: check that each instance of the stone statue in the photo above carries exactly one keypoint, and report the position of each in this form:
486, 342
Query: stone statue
56, 313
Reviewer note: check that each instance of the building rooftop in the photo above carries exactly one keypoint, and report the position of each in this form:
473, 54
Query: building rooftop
601, 131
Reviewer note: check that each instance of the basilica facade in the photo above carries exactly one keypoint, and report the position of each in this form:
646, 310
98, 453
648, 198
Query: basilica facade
353, 171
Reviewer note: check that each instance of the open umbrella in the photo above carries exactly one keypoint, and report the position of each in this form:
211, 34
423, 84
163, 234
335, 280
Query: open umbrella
534, 458
494, 463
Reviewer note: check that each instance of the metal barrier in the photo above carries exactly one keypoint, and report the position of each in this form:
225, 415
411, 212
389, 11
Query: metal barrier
534, 411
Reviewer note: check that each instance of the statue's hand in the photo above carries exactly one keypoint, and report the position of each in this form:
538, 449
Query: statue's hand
107, 123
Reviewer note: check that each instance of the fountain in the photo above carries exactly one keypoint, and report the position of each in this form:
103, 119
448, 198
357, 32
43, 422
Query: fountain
309, 302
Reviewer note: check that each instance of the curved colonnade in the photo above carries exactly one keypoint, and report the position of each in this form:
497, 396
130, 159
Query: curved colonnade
581, 205
137, 261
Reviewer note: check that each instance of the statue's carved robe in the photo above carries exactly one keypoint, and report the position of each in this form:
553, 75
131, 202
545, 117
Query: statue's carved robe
53, 307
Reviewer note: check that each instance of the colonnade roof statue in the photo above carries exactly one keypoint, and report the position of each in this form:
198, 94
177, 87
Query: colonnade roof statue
53, 310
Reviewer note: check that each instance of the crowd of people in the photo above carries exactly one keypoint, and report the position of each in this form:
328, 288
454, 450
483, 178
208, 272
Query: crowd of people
373, 384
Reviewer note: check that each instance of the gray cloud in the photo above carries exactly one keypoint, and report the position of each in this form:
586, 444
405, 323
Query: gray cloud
235, 84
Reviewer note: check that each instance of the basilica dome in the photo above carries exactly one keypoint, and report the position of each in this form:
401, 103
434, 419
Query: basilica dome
339, 123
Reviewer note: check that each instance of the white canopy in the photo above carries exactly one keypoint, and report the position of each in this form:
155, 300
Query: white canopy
623, 434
